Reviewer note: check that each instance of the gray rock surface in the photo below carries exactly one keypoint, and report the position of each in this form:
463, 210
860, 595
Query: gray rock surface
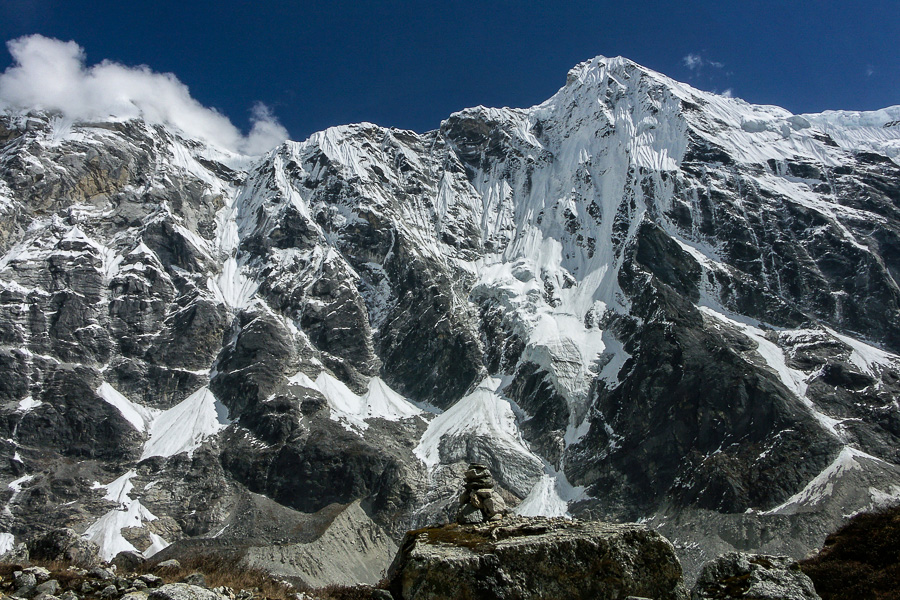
50, 586
183, 591
352, 550
739, 575
42, 574
536, 558
25, 580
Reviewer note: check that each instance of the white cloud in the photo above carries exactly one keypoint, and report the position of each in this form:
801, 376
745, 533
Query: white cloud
729, 93
49, 74
695, 62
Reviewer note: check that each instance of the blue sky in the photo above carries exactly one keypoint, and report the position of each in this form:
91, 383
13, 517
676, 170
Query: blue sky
410, 64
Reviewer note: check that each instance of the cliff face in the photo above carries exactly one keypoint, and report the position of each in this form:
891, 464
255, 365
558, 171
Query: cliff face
635, 300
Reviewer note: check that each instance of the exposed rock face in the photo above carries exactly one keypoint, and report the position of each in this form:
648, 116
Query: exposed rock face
635, 300
738, 575
536, 558
65, 545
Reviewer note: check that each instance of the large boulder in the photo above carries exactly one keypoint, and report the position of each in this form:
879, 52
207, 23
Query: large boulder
537, 557
184, 591
128, 561
736, 575
66, 545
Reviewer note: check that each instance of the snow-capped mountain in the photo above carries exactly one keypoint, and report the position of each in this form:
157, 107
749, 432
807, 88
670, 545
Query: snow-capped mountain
636, 300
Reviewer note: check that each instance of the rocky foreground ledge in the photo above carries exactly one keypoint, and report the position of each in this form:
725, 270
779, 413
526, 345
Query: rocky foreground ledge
536, 557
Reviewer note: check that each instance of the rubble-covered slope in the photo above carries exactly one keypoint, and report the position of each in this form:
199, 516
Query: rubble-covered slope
635, 300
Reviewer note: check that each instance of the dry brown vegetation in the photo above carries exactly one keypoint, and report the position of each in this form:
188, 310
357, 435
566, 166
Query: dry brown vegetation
221, 570
860, 560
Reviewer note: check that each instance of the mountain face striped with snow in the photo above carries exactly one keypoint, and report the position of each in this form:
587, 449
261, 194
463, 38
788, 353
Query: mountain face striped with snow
636, 300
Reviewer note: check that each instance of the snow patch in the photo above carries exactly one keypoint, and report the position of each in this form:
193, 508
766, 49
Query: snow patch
544, 500
16, 484
352, 411
7, 542
139, 416
866, 358
482, 422
27, 404
550, 496
106, 532
232, 287
183, 427
822, 485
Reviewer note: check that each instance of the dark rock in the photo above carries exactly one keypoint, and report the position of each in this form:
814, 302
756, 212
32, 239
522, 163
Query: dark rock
102, 573
168, 564
127, 561
109, 591
65, 545
51, 587
151, 579
738, 575
536, 558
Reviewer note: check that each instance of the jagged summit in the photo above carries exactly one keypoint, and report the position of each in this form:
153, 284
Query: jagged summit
634, 300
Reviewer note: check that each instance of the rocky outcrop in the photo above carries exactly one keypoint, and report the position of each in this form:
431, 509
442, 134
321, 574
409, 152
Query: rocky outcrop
739, 575
67, 546
535, 558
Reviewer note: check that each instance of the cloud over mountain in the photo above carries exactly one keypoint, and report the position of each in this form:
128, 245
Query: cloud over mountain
52, 75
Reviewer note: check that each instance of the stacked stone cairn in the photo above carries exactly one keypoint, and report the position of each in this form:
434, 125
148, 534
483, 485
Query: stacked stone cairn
479, 502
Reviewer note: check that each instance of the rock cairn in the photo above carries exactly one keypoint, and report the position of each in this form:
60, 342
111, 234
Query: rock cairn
479, 502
